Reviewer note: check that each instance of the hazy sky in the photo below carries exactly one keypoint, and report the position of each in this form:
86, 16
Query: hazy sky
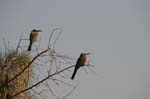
114, 31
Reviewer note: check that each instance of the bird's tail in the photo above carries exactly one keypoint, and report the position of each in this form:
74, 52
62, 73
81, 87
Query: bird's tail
30, 45
74, 73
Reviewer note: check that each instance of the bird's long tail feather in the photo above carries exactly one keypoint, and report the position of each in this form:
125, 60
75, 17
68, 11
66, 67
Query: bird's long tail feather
30, 46
74, 73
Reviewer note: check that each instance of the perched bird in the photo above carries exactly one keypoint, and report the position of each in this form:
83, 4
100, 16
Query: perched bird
80, 62
33, 38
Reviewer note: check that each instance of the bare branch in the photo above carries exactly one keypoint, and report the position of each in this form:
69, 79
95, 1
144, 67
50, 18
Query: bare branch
51, 35
19, 44
44, 80
57, 38
65, 97
38, 94
50, 89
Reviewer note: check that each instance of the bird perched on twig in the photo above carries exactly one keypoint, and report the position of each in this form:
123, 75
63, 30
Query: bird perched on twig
80, 62
33, 38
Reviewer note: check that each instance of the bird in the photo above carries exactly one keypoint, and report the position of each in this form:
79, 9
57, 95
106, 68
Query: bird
33, 38
80, 62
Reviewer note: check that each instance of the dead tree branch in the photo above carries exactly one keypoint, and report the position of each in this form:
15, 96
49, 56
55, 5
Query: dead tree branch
44, 80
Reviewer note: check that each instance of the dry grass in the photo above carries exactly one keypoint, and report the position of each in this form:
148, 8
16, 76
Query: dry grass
10, 65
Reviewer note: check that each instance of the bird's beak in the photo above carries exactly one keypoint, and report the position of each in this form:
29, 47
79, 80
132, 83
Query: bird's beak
88, 53
39, 30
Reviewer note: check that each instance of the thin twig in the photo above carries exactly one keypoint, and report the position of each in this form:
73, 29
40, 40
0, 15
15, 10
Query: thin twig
51, 35
50, 89
18, 44
44, 80
65, 97
38, 93
57, 38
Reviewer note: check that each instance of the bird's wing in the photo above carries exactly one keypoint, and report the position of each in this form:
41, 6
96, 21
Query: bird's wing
31, 37
79, 63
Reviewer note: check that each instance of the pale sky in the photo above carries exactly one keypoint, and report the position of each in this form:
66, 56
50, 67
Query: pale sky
114, 31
